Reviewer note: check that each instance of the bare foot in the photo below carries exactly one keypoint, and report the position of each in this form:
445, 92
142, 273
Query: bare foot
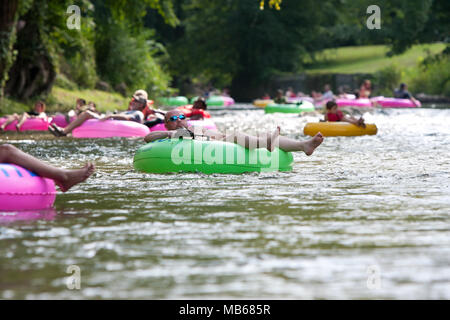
73, 177
17, 127
313, 143
272, 140
58, 131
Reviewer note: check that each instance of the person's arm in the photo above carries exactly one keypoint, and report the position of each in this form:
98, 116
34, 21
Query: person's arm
325, 118
198, 116
157, 135
358, 122
118, 117
349, 120
410, 97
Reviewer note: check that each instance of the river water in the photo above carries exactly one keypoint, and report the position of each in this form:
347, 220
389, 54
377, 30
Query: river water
362, 218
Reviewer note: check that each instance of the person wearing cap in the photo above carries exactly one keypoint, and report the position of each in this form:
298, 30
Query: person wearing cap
134, 113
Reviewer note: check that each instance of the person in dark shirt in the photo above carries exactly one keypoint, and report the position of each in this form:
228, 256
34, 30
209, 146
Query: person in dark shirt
403, 93
280, 98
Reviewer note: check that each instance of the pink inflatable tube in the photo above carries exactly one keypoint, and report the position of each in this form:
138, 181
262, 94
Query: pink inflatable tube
228, 101
21, 189
353, 103
60, 120
207, 123
395, 103
33, 124
94, 128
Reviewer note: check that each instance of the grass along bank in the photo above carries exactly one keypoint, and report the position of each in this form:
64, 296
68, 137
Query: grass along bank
63, 100
369, 59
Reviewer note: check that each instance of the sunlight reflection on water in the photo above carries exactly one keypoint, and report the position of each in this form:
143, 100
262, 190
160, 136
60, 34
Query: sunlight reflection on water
311, 233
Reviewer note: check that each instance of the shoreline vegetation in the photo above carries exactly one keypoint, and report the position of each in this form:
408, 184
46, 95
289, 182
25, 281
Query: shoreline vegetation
369, 59
407, 67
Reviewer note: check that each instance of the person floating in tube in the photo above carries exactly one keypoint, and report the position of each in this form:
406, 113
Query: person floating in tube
335, 115
177, 126
197, 111
37, 112
134, 113
403, 93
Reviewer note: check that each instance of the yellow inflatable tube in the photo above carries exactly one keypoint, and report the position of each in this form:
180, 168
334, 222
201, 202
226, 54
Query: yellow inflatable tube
334, 129
262, 103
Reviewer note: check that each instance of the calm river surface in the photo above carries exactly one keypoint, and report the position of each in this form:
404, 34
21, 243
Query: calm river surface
362, 218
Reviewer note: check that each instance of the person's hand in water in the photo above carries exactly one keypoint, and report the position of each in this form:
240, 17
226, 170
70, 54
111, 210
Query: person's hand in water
361, 122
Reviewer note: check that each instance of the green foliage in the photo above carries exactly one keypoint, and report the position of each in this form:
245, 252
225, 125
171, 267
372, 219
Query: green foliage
127, 52
432, 76
236, 40
219, 42
386, 80
63, 100
403, 23
133, 11
134, 60
9, 106
7, 41
368, 59
63, 82
73, 51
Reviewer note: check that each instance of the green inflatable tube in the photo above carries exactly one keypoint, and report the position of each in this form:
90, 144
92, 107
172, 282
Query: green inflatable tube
216, 101
305, 106
188, 155
174, 101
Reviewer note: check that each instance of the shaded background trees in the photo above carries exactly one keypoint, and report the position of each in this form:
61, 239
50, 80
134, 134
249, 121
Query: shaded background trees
159, 44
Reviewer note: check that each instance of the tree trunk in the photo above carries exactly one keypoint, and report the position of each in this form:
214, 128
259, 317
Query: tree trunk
8, 19
33, 72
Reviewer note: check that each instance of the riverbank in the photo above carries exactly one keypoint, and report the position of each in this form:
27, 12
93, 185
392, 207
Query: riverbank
63, 100
369, 59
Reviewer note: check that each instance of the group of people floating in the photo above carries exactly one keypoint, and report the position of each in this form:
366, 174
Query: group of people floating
332, 114
140, 110
364, 92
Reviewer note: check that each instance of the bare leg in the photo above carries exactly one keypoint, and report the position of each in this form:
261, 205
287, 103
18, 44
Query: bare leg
268, 141
307, 146
84, 116
9, 119
63, 178
22, 120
